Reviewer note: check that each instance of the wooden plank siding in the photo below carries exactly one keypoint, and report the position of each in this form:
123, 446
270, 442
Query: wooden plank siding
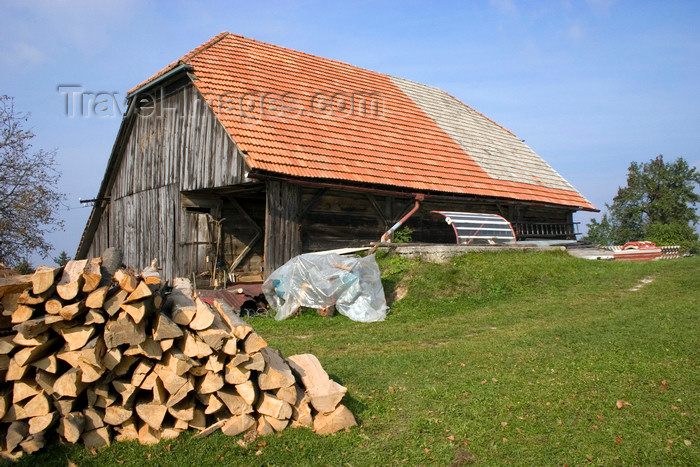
176, 145
282, 226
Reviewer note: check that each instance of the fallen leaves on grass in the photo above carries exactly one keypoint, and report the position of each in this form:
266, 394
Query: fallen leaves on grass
618, 440
621, 404
664, 386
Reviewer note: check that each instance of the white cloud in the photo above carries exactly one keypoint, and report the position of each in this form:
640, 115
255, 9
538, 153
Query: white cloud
505, 6
20, 55
576, 32
601, 7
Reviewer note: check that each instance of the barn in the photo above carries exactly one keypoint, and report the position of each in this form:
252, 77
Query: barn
242, 154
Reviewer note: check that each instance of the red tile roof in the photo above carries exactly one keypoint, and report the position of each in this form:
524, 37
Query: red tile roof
285, 110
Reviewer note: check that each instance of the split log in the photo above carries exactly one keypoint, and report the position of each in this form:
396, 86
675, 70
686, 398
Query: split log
72, 279
92, 275
148, 348
97, 297
16, 433
24, 389
41, 423
203, 317
114, 300
96, 438
6, 344
5, 402
165, 328
27, 297
209, 383
234, 402
256, 362
15, 371
43, 278
325, 394
48, 364
277, 425
339, 419
141, 371
94, 316
33, 443
46, 381
183, 410
277, 373
65, 406
37, 406
31, 328
288, 394
230, 346
253, 343
28, 355
151, 413
248, 391
195, 347
124, 366
23, 341
111, 261
181, 393
239, 328
127, 280
72, 310
236, 374
76, 337
117, 414
126, 390
301, 409
181, 307
22, 313
210, 429
178, 362
70, 383
263, 428
211, 403
238, 424
128, 431
138, 310
124, 330
166, 344
151, 275
270, 405
199, 422
141, 291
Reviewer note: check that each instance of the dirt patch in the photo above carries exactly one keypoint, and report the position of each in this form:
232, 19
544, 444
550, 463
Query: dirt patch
463, 457
642, 283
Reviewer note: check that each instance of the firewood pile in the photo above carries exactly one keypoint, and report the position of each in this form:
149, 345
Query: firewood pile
95, 352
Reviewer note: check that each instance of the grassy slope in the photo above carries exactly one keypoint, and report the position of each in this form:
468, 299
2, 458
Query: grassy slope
495, 358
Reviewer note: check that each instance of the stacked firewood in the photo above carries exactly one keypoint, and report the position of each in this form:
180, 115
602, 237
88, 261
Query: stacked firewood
97, 353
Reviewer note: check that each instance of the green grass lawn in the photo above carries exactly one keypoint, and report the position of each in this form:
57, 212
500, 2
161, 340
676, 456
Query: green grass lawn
496, 358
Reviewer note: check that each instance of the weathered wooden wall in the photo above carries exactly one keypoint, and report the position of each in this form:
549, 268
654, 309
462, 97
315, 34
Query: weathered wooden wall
176, 145
282, 226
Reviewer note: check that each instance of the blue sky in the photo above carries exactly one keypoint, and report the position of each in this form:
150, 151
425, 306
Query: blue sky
589, 85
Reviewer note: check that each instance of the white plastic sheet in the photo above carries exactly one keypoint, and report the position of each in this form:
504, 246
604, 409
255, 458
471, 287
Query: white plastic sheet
318, 281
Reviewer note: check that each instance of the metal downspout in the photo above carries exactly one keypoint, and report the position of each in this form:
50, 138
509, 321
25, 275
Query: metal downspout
419, 197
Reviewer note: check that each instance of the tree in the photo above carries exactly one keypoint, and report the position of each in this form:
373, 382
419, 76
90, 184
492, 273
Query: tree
658, 204
62, 258
29, 197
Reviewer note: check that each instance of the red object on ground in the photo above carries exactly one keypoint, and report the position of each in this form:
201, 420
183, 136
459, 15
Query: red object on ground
638, 251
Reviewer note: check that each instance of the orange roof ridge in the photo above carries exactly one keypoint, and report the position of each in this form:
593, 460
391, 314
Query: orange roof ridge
184, 59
